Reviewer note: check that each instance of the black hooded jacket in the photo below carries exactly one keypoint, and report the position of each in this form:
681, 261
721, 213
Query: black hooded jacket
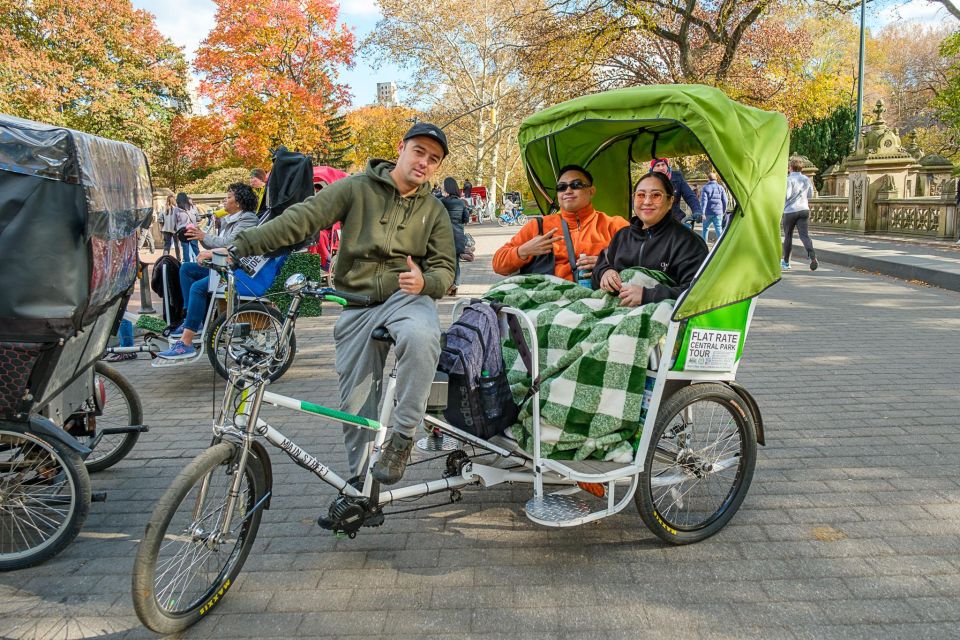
667, 246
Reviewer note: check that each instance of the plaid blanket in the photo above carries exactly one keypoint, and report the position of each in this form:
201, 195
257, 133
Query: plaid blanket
593, 359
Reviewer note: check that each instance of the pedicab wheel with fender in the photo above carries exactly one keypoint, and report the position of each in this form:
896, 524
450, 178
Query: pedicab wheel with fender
699, 465
184, 564
121, 408
44, 496
265, 328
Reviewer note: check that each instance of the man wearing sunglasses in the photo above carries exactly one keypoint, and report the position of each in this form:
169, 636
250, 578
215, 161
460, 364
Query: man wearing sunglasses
590, 230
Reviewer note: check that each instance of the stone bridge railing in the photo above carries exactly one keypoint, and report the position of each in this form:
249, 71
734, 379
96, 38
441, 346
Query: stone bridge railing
931, 217
830, 212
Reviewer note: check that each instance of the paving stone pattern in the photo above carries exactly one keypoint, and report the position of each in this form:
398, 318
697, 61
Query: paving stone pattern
851, 528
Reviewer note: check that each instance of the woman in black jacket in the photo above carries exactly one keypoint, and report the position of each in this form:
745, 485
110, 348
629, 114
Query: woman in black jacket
457, 208
654, 240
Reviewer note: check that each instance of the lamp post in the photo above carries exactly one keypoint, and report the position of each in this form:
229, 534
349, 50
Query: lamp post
859, 125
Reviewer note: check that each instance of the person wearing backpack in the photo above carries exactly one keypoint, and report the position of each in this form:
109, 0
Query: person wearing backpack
396, 248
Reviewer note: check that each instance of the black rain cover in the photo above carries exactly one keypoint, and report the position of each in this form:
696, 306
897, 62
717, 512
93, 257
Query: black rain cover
290, 182
70, 205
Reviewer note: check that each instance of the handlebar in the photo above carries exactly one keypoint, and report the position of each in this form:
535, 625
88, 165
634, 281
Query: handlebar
340, 297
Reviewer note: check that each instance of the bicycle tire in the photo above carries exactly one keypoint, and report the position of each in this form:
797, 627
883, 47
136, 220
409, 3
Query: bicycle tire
679, 451
266, 322
31, 461
160, 528
113, 448
521, 219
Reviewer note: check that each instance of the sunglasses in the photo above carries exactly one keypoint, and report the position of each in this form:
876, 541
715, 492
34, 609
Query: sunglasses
576, 185
653, 196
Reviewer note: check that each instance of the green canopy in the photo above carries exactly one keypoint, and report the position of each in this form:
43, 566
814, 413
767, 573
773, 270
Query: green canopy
748, 147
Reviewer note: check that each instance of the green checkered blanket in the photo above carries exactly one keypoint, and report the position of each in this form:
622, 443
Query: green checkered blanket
593, 359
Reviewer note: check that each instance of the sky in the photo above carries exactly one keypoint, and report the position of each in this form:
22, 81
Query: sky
187, 23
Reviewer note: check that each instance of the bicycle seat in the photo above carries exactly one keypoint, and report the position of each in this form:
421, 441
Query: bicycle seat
381, 334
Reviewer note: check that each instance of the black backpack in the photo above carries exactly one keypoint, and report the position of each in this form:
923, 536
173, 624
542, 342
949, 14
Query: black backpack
472, 346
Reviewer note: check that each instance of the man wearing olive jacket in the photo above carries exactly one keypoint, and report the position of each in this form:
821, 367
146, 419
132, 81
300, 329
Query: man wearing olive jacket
396, 247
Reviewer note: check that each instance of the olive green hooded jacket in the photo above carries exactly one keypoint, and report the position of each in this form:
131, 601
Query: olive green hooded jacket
380, 228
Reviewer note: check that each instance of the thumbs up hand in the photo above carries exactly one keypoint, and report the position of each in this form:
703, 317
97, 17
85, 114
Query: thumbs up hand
411, 281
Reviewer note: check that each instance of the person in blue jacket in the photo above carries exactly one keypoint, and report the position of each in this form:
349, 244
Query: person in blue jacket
713, 202
681, 189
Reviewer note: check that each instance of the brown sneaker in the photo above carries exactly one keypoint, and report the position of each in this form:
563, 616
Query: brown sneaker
393, 459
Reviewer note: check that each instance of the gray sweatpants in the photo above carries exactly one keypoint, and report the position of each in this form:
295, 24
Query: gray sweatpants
415, 326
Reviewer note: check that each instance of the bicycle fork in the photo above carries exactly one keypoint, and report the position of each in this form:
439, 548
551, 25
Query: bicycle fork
240, 464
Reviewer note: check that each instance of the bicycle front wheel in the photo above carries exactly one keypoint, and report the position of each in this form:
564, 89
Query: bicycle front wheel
121, 410
698, 468
184, 563
265, 329
44, 497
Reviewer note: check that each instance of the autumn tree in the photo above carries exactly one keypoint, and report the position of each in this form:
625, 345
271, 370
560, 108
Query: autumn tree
100, 67
270, 74
468, 62
762, 52
375, 131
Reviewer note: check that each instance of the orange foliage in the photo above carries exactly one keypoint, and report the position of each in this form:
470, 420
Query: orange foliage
270, 76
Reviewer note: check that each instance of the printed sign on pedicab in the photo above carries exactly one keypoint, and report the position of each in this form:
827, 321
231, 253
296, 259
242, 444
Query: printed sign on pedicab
712, 350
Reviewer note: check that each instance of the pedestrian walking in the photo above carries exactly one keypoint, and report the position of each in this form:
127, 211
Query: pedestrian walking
457, 210
796, 214
713, 201
168, 227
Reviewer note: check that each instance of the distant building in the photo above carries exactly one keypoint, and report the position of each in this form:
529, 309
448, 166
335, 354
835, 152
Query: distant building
387, 94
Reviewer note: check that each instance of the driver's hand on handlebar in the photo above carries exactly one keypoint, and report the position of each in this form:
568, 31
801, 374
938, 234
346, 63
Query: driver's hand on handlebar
205, 256
538, 245
411, 281
610, 281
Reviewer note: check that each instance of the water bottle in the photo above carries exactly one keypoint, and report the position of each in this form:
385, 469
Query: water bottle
648, 383
584, 276
488, 396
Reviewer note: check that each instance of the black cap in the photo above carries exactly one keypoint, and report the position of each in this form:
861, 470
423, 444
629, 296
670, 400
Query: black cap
430, 131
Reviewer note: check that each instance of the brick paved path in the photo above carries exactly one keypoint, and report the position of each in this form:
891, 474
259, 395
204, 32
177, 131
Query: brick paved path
851, 528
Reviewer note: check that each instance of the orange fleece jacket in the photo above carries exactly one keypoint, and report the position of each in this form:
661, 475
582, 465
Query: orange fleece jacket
590, 230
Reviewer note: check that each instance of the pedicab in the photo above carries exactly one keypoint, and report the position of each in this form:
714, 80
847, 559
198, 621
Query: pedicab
244, 299
695, 444
71, 205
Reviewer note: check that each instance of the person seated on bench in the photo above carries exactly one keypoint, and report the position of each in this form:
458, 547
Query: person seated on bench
194, 279
590, 230
654, 240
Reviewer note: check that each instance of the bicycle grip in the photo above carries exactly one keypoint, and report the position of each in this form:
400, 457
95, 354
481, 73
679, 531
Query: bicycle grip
354, 298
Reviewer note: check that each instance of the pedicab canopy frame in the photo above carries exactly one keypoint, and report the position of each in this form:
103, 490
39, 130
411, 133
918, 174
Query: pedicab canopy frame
748, 147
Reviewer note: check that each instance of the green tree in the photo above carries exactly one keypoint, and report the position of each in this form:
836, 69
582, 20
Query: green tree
825, 141
335, 153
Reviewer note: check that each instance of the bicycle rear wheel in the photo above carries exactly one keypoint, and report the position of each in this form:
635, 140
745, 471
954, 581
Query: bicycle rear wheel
44, 497
184, 566
121, 409
698, 468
